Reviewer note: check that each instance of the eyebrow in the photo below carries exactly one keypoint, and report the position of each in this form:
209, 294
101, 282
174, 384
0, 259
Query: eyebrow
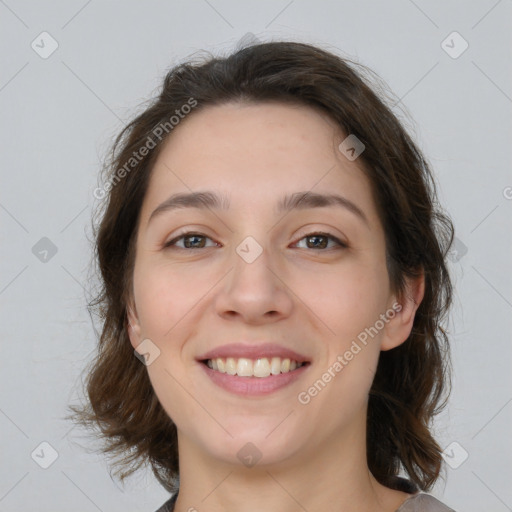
298, 200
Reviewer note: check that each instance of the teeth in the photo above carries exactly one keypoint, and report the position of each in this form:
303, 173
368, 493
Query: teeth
230, 366
262, 367
244, 367
275, 366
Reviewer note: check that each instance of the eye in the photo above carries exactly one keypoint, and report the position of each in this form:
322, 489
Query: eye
193, 240
190, 240
321, 241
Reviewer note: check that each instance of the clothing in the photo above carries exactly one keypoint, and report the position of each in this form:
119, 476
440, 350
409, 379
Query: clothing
168, 506
423, 502
419, 502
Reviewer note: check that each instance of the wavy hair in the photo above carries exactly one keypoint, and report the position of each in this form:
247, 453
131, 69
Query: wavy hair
412, 381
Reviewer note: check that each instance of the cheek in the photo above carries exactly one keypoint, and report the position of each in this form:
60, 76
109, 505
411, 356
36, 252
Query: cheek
165, 297
347, 302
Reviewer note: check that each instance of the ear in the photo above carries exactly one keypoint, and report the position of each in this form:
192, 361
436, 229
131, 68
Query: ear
133, 324
399, 327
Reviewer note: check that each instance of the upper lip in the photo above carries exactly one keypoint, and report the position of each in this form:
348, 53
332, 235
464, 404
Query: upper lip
238, 350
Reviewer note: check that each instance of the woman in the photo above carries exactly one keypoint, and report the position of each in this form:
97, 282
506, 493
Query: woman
273, 253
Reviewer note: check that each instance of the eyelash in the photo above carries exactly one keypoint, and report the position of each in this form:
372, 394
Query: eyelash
172, 243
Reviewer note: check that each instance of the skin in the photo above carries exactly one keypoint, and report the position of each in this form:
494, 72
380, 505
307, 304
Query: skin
313, 300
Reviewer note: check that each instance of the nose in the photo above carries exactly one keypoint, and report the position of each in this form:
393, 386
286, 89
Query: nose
254, 292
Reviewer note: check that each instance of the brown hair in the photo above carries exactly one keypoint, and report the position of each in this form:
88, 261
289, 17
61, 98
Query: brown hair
410, 380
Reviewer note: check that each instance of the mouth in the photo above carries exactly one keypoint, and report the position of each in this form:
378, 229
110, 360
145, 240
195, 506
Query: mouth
260, 368
253, 370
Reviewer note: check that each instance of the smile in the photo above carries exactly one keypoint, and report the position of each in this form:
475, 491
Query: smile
253, 369
260, 368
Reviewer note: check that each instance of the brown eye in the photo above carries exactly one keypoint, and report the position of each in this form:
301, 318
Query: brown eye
321, 241
190, 241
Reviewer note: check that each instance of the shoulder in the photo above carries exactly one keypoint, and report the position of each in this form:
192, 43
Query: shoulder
423, 502
168, 506
420, 502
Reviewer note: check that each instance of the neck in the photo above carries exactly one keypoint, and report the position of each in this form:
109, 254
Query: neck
333, 476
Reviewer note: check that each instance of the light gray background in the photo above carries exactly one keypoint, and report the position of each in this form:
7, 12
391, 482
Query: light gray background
58, 116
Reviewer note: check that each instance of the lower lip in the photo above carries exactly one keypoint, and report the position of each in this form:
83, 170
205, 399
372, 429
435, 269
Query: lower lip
253, 386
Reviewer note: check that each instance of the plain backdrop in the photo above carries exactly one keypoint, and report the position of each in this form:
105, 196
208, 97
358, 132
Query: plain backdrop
74, 72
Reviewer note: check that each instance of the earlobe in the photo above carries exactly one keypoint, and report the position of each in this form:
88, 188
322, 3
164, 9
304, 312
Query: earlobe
133, 326
399, 327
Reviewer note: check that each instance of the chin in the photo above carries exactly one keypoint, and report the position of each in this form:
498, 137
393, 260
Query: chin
254, 441
249, 451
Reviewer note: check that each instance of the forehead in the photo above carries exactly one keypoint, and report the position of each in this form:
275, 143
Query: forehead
254, 153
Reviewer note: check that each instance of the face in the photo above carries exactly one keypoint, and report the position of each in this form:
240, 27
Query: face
264, 317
